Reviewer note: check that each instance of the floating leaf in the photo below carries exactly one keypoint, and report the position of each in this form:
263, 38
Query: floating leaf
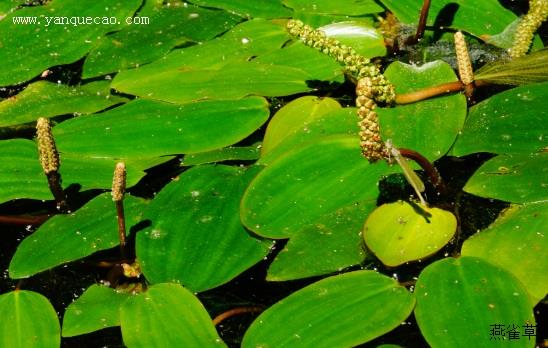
346, 7
512, 178
167, 315
144, 129
411, 126
232, 153
65, 238
516, 241
21, 175
232, 81
330, 244
313, 127
340, 311
46, 99
165, 28
96, 309
317, 65
29, 49
479, 18
316, 20
28, 321
362, 37
303, 185
474, 296
292, 119
249, 9
196, 237
510, 122
400, 232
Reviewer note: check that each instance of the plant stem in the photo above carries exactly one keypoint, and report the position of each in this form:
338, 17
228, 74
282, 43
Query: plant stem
121, 227
428, 167
54, 183
429, 92
23, 220
422, 23
236, 311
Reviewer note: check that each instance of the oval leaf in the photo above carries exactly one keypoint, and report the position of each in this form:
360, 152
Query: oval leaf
96, 309
459, 302
516, 241
304, 185
167, 315
400, 232
196, 237
65, 238
511, 122
144, 128
28, 321
516, 179
339, 311
411, 126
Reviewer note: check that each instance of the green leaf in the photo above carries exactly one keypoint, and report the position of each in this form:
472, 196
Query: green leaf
46, 99
29, 49
21, 175
317, 65
96, 309
480, 18
196, 237
340, 311
28, 321
459, 301
512, 178
144, 129
362, 37
303, 185
516, 242
329, 245
232, 81
243, 42
167, 315
511, 122
316, 20
429, 126
400, 232
249, 9
231, 153
65, 238
292, 119
344, 7
301, 122
167, 27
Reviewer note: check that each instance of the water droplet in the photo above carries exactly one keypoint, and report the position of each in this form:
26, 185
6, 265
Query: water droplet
195, 193
245, 40
155, 234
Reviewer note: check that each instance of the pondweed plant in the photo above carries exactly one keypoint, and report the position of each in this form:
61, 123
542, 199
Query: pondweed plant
253, 146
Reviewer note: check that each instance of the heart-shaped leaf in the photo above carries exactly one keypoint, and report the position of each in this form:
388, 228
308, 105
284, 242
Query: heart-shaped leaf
400, 232
412, 126
28, 321
340, 311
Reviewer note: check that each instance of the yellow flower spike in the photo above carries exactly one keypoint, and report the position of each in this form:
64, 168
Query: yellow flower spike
119, 182
463, 59
49, 156
529, 24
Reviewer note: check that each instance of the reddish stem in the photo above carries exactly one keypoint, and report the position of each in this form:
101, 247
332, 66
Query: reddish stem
23, 220
422, 23
236, 311
428, 167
